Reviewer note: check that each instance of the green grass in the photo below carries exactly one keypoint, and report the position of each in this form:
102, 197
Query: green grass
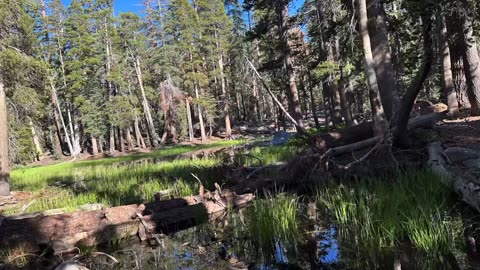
273, 220
375, 216
127, 179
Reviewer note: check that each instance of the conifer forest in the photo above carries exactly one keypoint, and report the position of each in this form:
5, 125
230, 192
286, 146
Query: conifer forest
239, 134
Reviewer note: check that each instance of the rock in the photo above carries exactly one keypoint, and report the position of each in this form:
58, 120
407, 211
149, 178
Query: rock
472, 163
68, 265
282, 137
460, 154
91, 207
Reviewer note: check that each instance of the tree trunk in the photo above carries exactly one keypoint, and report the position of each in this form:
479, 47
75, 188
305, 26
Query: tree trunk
73, 134
94, 146
282, 10
4, 160
382, 59
343, 101
129, 138
471, 61
203, 134
121, 135
112, 139
226, 102
189, 120
447, 77
417, 83
138, 135
36, 141
377, 108
313, 104
146, 107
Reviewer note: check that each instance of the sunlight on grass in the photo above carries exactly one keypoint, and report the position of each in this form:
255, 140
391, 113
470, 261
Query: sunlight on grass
129, 179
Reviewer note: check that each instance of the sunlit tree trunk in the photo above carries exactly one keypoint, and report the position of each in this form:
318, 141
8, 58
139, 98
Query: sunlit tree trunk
447, 77
4, 160
189, 119
94, 146
146, 107
377, 109
35, 139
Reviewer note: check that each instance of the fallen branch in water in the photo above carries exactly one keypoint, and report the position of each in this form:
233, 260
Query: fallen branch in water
63, 232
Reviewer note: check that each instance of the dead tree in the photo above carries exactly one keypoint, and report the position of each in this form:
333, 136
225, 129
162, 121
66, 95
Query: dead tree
169, 93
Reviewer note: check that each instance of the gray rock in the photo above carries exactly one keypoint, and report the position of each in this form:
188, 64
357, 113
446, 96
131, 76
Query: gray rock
472, 163
91, 207
460, 154
68, 265
282, 137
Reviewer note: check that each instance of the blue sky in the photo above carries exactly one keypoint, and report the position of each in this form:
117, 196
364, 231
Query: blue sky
120, 5
136, 5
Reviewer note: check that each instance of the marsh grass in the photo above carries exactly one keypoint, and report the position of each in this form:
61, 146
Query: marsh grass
273, 221
374, 216
259, 156
115, 181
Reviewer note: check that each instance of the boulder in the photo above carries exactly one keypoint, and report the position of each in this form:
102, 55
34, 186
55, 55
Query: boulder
472, 163
460, 154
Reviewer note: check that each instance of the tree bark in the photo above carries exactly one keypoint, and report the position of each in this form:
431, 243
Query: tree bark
471, 61
94, 146
35, 139
282, 10
129, 138
447, 77
377, 108
112, 139
4, 160
382, 58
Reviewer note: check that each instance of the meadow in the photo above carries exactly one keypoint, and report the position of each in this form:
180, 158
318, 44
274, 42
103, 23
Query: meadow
134, 178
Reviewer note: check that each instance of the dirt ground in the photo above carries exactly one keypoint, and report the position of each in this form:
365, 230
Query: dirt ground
461, 132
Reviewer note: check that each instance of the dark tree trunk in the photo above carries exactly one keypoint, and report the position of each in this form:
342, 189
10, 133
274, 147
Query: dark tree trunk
471, 61
283, 16
416, 85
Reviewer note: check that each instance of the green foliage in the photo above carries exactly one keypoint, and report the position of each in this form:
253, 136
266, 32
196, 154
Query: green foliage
26, 151
121, 111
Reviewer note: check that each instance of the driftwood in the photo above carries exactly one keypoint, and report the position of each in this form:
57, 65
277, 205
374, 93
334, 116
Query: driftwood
65, 231
468, 191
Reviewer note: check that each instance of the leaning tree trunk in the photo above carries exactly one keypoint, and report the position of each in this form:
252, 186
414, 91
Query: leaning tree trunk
377, 108
283, 18
472, 66
382, 58
417, 83
146, 108
4, 161
35, 139
447, 77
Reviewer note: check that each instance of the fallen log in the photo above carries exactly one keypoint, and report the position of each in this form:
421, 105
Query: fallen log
468, 191
336, 142
64, 232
